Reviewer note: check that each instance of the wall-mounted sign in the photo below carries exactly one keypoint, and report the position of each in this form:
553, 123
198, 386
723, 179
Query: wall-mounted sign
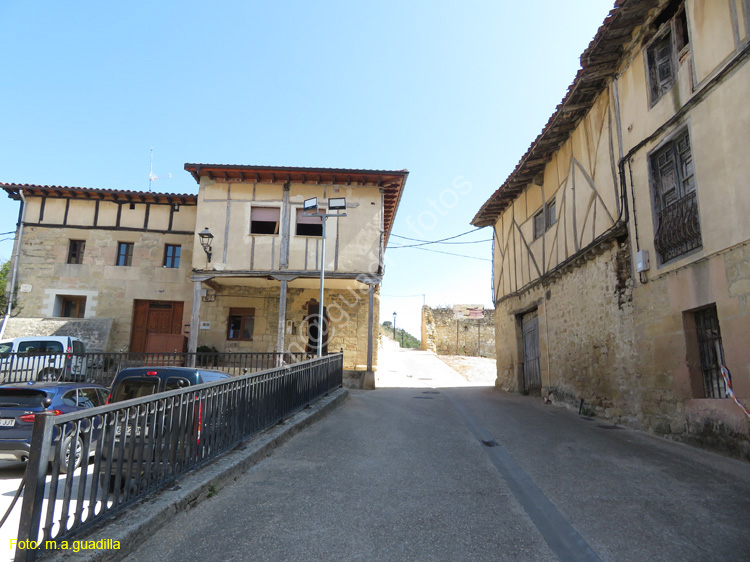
464, 311
25, 288
205, 325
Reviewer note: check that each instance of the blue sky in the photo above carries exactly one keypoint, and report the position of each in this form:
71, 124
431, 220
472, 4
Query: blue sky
452, 91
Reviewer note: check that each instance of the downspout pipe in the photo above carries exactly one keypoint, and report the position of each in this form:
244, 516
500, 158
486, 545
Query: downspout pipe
16, 257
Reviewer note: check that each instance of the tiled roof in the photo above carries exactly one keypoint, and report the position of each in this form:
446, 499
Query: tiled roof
599, 63
13, 190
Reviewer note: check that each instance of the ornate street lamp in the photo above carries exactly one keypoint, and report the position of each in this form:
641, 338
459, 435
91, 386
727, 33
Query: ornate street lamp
394, 326
206, 240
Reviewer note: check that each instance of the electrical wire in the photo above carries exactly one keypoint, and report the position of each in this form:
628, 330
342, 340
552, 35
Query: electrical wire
436, 241
451, 254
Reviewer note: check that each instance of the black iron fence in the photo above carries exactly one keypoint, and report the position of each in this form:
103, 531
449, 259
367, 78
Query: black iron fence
101, 368
87, 465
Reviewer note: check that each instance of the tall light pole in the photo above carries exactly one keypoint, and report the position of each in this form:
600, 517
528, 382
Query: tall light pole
394, 326
336, 203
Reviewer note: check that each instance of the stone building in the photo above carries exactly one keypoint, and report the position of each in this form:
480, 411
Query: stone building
445, 333
137, 258
621, 274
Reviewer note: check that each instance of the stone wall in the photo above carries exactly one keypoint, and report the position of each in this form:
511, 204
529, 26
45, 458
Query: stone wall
586, 336
347, 310
443, 334
94, 332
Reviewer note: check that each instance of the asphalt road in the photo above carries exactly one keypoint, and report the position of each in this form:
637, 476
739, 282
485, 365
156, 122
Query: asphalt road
429, 467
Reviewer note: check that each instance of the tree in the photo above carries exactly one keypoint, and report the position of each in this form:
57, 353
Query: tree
4, 275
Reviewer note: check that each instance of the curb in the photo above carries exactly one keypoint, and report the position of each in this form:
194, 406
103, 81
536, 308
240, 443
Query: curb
150, 514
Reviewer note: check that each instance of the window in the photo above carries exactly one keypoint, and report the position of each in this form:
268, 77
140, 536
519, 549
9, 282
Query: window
551, 214
539, 224
75, 251
172, 256
663, 54
72, 307
711, 352
545, 218
240, 324
264, 220
124, 253
309, 226
675, 201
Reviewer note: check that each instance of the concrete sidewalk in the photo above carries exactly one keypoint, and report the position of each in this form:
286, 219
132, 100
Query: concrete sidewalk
429, 467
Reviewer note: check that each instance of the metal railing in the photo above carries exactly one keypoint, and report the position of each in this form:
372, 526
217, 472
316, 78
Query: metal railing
141, 445
101, 368
679, 229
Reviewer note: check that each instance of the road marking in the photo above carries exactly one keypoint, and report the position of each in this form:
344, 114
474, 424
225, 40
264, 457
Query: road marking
560, 535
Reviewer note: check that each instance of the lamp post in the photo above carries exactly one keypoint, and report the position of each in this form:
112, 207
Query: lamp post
394, 326
336, 203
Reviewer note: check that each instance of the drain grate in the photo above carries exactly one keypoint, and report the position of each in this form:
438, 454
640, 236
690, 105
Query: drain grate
430, 392
491, 443
610, 427
422, 397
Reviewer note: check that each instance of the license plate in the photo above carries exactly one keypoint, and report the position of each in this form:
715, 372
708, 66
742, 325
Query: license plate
7, 422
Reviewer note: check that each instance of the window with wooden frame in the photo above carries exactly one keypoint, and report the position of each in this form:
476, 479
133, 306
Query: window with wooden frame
675, 199
72, 306
539, 224
264, 220
172, 255
124, 253
240, 324
308, 225
75, 251
551, 214
663, 55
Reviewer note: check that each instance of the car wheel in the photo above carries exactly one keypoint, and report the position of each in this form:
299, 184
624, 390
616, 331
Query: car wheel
48, 375
65, 452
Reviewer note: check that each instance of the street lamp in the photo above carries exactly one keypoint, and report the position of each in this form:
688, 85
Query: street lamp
206, 240
334, 203
394, 326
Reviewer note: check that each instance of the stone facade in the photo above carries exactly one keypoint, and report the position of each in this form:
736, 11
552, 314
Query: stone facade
621, 269
443, 334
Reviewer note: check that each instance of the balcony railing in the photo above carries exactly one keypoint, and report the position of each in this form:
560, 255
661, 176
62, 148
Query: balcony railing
679, 229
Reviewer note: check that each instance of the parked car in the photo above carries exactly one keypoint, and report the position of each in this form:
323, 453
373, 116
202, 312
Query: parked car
47, 358
148, 434
20, 403
135, 382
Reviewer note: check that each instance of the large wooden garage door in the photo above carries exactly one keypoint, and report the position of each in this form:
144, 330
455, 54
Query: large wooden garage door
532, 376
154, 317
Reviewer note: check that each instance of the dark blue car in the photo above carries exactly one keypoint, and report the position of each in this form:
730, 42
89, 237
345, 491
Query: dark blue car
20, 402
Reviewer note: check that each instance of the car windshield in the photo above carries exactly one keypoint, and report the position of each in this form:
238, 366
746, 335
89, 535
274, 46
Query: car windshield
40, 347
135, 388
11, 397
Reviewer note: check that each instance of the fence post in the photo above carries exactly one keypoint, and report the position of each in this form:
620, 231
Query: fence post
36, 473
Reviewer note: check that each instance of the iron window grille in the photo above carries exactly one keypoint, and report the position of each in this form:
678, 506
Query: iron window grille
711, 352
678, 224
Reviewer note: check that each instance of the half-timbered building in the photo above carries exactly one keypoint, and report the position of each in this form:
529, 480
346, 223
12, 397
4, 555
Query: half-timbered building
621, 270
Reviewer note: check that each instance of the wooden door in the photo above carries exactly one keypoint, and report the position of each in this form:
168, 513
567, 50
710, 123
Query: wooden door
532, 376
154, 317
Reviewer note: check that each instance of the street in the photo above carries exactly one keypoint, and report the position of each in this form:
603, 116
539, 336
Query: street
430, 467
